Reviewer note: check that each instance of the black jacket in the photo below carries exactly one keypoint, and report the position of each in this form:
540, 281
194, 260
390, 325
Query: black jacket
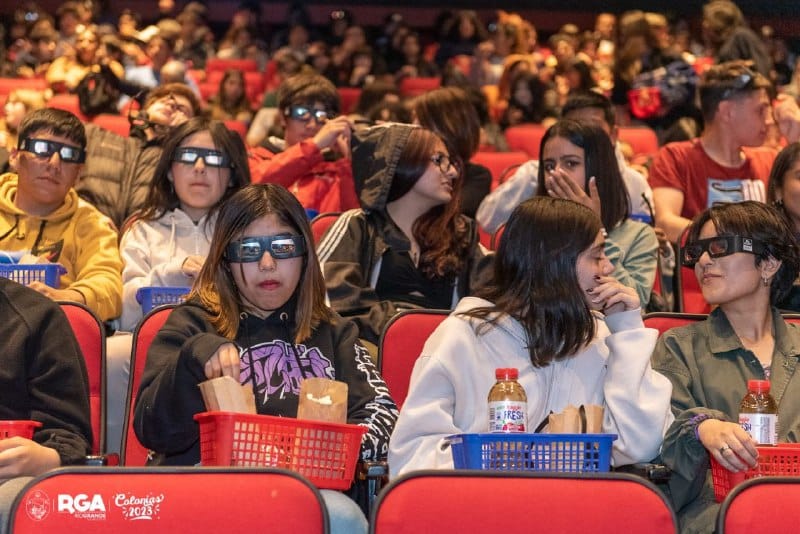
169, 395
42, 372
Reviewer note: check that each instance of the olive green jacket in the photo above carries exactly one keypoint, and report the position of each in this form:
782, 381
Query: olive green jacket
709, 369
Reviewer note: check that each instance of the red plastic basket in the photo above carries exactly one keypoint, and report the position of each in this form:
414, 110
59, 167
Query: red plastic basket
21, 428
780, 460
325, 453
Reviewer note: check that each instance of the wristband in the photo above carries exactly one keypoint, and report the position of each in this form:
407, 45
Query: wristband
695, 421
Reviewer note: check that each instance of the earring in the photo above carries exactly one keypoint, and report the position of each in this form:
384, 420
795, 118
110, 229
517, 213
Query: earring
778, 203
765, 280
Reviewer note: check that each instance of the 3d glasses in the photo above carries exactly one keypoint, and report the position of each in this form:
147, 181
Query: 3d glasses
45, 148
212, 158
305, 114
719, 246
252, 248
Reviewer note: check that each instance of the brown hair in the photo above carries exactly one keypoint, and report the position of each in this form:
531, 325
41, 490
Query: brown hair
215, 288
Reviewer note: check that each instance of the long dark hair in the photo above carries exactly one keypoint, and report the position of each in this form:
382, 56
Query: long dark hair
535, 278
442, 234
162, 198
777, 176
215, 287
763, 223
600, 161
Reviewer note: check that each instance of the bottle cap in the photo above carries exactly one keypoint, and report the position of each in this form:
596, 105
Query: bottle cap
759, 386
506, 373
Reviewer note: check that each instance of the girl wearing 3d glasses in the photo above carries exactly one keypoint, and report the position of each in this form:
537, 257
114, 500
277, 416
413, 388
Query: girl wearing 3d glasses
257, 313
745, 258
202, 164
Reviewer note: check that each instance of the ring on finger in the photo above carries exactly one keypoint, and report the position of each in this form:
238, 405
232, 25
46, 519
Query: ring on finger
724, 448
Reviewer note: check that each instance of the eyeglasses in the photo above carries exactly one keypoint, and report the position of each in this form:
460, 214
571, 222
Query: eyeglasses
305, 114
738, 84
252, 248
213, 158
718, 247
44, 148
443, 162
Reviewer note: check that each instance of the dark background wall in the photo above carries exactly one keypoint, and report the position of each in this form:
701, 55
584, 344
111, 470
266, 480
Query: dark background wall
547, 15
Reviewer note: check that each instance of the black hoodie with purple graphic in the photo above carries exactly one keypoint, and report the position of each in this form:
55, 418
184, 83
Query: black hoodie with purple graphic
169, 396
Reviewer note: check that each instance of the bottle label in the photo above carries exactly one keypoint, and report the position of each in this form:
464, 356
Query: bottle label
762, 427
507, 416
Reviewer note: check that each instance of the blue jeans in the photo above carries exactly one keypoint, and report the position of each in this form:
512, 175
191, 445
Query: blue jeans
344, 514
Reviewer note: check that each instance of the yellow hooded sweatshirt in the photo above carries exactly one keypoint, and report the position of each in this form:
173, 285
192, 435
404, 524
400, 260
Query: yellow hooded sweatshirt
77, 236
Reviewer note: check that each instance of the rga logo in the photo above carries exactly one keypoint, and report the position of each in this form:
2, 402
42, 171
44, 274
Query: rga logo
82, 506
37, 505
135, 508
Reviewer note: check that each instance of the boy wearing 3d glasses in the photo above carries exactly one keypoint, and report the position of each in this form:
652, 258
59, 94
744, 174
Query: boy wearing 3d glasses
313, 161
41, 213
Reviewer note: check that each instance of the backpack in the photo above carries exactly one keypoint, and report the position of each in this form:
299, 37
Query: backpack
98, 91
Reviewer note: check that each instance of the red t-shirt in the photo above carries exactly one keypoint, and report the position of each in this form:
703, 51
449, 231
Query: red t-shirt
320, 185
704, 182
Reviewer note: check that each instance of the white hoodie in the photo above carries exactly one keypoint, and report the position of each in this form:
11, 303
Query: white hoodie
153, 252
451, 381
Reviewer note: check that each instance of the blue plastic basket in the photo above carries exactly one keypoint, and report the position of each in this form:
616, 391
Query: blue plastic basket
154, 296
563, 453
49, 273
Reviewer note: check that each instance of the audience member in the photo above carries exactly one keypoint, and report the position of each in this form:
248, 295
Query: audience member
19, 103
119, 169
590, 108
577, 163
67, 71
43, 379
726, 31
408, 247
313, 160
230, 102
257, 314
745, 258
447, 112
41, 213
203, 163
723, 164
574, 332
782, 192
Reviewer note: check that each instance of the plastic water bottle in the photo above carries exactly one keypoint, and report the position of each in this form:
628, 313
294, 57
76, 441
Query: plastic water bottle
758, 413
508, 404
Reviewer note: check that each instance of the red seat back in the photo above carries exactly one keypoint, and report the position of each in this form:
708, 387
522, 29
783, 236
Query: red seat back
761, 505
525, 137
91, 337
348, 98
239, 127
219, 64
167, 500
642, 139
321, 223
68, 102
401, 344
414, 86
133, 452
493, 502
663, 321
498, 163
115, 123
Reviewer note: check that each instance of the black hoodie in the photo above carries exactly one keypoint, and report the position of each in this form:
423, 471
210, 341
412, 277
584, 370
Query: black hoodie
169, 395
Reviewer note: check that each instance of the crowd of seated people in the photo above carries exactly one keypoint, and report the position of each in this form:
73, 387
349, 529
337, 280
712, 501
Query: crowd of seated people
380, 125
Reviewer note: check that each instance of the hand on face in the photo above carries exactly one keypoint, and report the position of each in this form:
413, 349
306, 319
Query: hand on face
335, 134
610, 296
560, 185
733, 448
